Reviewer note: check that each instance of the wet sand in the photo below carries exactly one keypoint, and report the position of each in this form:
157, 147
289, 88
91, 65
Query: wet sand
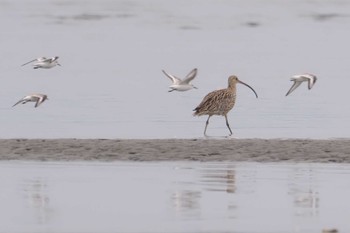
259, 150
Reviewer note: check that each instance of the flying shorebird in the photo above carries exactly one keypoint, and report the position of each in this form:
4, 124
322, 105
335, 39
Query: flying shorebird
43, 62
220, 102
38, 98
179, 84
298, 79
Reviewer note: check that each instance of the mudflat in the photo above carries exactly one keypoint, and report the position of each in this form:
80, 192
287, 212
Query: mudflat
258, 150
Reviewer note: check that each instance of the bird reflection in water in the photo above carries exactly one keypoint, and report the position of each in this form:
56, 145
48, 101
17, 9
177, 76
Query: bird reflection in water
37, 198
304, 191
220, 180
186, 200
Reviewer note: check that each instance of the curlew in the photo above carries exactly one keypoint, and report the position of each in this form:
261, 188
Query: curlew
220, 102
43, 62
38, 98
179, 84
298, 79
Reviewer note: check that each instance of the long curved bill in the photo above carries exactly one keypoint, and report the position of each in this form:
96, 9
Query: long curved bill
249, 87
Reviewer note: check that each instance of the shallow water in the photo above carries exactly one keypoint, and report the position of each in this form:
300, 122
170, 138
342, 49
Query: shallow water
110, 84
173, 197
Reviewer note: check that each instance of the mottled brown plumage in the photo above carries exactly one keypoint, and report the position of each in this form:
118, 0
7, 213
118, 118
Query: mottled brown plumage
220, 102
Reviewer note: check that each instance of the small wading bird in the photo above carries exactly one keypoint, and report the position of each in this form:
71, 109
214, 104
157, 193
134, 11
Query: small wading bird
220, 102
43, 62
179, 84
298, 79
38, 98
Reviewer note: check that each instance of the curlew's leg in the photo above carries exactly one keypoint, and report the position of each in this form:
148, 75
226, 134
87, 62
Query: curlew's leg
206, 125
228, 126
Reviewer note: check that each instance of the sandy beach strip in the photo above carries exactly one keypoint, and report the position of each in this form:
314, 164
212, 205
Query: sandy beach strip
259, 150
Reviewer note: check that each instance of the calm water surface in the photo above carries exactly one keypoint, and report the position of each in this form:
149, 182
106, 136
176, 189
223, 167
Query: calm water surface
173, 197
110, 84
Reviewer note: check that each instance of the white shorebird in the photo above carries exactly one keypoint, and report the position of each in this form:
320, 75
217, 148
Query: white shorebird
43, 62
38, 98
298, 79
179, 84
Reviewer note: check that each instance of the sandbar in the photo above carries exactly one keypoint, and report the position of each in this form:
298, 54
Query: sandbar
257, 150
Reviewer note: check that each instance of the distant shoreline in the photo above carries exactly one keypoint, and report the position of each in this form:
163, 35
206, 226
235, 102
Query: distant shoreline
257, 150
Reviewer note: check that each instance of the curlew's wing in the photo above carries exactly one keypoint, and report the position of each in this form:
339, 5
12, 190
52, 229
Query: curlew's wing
208, 103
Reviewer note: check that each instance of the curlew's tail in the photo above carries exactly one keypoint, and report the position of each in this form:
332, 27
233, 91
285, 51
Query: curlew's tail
197, 112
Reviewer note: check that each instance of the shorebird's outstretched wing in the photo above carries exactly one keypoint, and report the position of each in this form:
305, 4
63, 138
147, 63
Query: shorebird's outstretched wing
20, 101
29, 62
294, 86
39, 100
40, 59
312, 80
174, 79
54, 58
190, 76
